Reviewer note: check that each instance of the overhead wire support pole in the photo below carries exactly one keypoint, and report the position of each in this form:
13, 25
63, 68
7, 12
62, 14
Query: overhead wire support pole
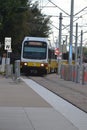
60, 28
81, 49
60, 32
76, 39
71, 32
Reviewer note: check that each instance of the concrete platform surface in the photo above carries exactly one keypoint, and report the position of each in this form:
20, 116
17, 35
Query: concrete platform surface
19, 118
23, 108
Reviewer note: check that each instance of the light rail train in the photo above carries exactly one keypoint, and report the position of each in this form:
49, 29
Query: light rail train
37, 56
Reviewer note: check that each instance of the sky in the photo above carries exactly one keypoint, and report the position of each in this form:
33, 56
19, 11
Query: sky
53, 8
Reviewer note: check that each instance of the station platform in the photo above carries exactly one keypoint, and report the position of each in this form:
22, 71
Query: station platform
25, 105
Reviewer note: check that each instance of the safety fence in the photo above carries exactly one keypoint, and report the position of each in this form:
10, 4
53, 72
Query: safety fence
74, 73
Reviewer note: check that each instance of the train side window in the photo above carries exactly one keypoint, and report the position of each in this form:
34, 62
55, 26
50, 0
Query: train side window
49, 54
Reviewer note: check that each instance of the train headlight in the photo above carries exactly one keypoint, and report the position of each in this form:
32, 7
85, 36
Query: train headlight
42, 65
25, 63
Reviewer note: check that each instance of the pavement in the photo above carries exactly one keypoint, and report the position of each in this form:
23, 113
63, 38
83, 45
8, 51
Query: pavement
23, 108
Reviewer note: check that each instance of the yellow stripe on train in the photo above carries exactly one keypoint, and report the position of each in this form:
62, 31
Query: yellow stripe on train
37, 64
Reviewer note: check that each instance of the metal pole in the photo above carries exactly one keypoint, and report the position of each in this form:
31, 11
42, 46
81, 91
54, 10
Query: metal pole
66, 40
60, 31
71, 32
76, 39
81, 49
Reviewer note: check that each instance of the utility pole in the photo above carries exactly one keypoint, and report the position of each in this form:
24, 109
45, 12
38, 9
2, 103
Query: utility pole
71, 32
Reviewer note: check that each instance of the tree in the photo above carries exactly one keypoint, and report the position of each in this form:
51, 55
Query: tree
40, 24
11, 20
20, 18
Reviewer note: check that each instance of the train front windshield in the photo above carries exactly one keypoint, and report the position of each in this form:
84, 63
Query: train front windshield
34, 50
